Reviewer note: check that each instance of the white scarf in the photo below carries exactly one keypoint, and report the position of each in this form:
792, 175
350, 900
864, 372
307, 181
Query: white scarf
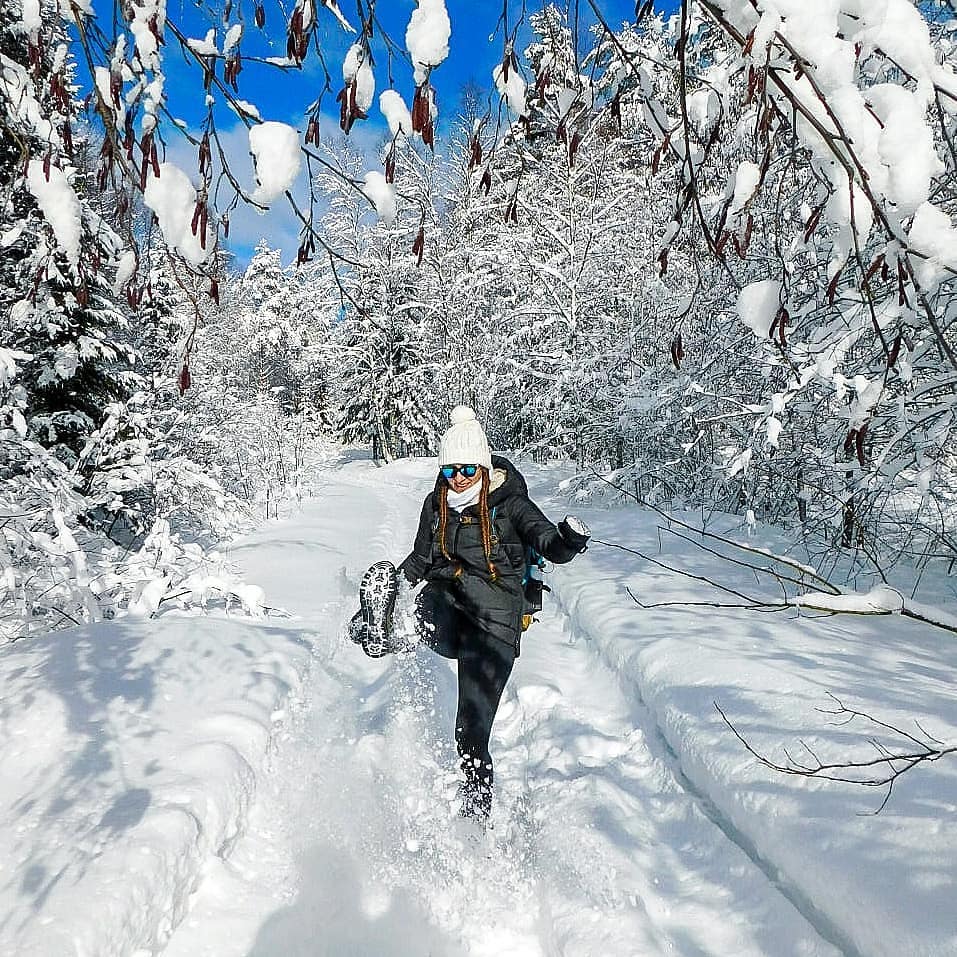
462, 500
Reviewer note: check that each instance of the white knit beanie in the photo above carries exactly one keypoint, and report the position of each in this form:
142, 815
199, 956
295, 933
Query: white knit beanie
465, 442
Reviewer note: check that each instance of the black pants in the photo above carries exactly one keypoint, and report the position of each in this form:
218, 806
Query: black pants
484, 664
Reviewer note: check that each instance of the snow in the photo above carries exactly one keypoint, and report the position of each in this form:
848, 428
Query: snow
758, 304
867, 394
906, 146
146, 45
10, 236
206, 46
32, 21
879, 600
124, 271
102, 80
512, 89
245, 108
396, 112
704, 111
897, 28
60, 207
136, 767
277, 158
65, 363
746, 181
356, 67
886, 122
18, 90
933, 234
740, 463
172, 197
202, 786
382, 195
333, 8
565, 99
427, 37
768, 24
880, 884
233, 35
773, 427
8, 365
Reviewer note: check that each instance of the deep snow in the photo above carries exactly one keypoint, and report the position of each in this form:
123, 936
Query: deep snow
204, 785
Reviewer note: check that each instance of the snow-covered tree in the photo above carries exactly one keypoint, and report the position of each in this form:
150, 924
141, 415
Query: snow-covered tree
62, 266
384, 374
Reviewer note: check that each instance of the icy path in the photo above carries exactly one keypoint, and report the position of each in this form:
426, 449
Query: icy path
352, 846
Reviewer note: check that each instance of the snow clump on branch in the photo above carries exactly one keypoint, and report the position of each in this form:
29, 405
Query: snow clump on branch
356, 67
206, 46
125, 269
746, 182
427, 37
172, 197
758, 304
704, 111
934, 235
382, 195
512, 88
276, 156
32, 22
886, 122
59, 205
396, 113
233, 35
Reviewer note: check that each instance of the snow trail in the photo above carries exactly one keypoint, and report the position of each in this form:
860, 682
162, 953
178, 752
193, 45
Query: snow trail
354, 846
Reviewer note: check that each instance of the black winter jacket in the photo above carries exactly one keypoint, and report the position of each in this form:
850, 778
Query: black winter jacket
496, 607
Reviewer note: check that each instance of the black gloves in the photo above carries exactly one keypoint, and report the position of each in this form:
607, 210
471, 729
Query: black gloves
575, 532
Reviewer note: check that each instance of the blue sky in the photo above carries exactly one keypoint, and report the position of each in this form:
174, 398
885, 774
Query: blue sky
475, 49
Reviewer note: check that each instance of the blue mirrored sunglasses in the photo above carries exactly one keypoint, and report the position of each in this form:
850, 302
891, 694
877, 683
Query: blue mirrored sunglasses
450, 471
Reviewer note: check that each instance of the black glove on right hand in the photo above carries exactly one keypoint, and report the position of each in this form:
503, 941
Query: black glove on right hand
575, 532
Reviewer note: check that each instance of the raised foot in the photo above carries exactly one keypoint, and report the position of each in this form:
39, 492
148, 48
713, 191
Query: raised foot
377, 594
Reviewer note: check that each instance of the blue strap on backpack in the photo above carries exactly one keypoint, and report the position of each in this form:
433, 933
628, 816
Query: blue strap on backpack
532, 584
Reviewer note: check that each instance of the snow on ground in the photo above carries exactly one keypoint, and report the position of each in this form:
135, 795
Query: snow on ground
878, 885
128, 757
628, 819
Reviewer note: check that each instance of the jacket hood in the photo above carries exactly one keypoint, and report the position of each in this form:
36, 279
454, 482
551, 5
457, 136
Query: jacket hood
514, 483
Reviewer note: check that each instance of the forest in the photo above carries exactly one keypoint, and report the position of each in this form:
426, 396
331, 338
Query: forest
708, 256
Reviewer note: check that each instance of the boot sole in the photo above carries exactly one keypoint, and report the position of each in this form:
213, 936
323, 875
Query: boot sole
377, 594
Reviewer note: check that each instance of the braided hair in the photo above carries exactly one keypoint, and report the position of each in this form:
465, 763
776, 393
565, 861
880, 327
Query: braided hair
485, 523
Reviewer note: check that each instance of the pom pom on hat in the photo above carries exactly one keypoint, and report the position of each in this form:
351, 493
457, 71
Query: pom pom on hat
460, 414
464, 443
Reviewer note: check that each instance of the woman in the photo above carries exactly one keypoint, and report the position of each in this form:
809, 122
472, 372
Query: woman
471, 549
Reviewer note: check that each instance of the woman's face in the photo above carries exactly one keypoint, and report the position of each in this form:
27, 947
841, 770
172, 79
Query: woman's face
459, 482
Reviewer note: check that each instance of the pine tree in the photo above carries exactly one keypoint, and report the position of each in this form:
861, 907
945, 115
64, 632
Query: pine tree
60, 258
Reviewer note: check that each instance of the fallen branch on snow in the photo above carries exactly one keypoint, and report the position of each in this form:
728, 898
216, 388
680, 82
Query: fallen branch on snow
876, 772
830, 600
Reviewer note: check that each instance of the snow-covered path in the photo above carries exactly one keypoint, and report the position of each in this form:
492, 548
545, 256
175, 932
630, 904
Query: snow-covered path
207, 784
353, 846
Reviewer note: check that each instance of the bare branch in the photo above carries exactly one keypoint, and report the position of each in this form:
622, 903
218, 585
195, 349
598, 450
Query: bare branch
877, 772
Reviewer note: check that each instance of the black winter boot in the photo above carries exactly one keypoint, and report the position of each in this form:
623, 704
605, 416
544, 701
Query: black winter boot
476, 803
475, 792
372, 627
